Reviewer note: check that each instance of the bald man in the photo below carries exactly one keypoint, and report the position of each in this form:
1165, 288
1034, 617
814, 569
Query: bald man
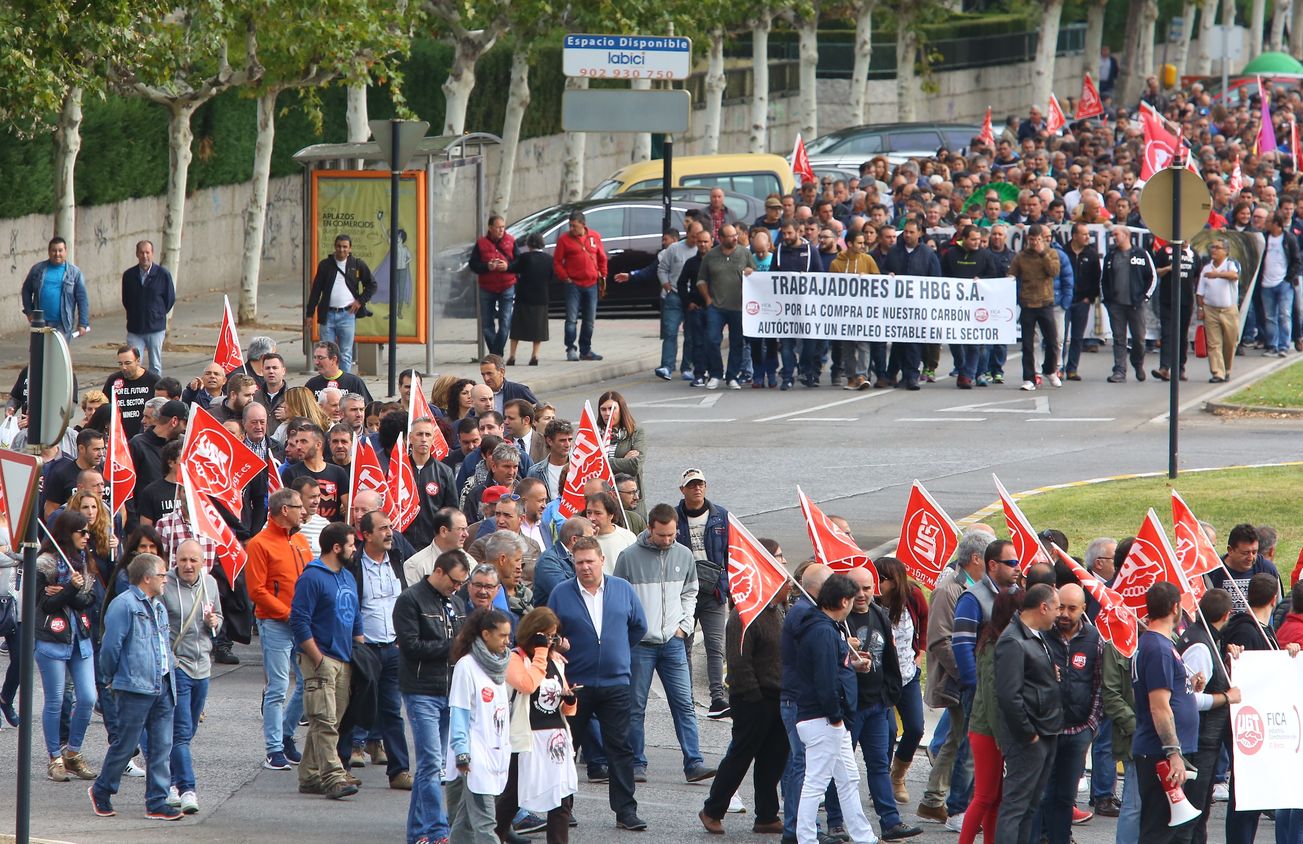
1076, 649
368, 501
481, 399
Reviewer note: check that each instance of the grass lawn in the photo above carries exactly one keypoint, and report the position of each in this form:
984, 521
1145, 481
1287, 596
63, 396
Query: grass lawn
1224, 498
1281, 389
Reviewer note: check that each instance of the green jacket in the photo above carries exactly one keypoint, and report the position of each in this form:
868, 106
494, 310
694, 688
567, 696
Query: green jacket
1119, 701
982, 719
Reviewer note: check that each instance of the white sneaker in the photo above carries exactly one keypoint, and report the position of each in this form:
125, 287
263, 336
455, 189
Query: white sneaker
735, 804
1083, 785
733, 384
1055, 381
173, 796
1221, 793
712, 384
189, 803
133, 770
955, 823
1029, 386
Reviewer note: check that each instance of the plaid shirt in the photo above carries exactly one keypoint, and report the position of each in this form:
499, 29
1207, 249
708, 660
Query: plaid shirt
174, 529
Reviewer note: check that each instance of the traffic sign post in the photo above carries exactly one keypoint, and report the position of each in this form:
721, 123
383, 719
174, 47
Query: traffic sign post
1175, 205
627, 56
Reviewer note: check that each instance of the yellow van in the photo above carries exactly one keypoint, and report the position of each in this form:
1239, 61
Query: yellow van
755, 174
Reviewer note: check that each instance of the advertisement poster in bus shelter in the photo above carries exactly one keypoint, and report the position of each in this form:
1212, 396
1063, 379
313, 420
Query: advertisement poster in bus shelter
356, 203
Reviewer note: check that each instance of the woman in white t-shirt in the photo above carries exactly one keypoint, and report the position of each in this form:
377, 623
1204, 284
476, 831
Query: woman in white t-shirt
479, 753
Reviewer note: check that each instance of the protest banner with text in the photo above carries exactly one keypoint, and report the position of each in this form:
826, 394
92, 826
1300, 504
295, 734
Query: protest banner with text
1268, 730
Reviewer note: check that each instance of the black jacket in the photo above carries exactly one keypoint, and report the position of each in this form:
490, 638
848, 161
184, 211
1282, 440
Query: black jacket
147, 304
958, 262
686, 284
1143, 278
396, 560
881, 684
1191, 263
533, 277
1085, 273
1079, 663
1027, 696
425, 625
147, 454
436, 490
360, 283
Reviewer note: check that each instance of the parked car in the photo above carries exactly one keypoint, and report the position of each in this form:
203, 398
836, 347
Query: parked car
754, 174
899, 142
744, 207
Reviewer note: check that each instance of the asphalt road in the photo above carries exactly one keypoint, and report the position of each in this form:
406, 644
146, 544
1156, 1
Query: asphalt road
853, 453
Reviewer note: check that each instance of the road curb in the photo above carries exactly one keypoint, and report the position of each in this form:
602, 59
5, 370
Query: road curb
1218, 408
585, 373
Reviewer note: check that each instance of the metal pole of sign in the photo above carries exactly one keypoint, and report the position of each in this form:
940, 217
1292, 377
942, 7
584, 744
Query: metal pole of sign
667, 179
395, 173
480, 190
430, 229
1174, 358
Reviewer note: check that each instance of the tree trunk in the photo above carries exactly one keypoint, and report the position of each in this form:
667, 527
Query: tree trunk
358, 130
1094, 36
863, 56
906, 55
1257, 18
714, 92
255, 214
572, 167
1280, 9
642, 141
1047, 46
808, 37
1203, 65
1187, 33
759, 141
461, 80
67, 139
1148, 21
1296, 29
179, 136
517, 102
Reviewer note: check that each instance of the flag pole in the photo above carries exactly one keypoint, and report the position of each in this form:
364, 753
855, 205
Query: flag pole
113, 513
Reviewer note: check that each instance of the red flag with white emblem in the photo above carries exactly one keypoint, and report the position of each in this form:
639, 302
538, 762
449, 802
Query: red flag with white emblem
219, 462
401, 487
274, 483
1151, 560
1054, 120
801, 169
1090, 104
419, 408
754, 576
365, 475
833, 547
1159, 145
1195, 553
204, 519
1115, 622
587, 461
1024, 538
229, 356
122, 469
927, 537
987, 135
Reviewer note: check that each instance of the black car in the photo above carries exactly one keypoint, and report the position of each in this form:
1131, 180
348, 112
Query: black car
899, 142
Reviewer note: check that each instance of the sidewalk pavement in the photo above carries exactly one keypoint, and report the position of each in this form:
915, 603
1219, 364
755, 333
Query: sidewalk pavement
629, 346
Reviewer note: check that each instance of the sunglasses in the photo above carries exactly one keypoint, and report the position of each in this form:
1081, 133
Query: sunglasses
1014, 563
83, 531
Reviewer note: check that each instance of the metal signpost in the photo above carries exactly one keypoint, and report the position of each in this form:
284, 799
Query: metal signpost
1175, 205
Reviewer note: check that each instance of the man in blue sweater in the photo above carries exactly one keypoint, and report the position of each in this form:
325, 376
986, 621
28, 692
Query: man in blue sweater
974, 607
604, 621
325, 621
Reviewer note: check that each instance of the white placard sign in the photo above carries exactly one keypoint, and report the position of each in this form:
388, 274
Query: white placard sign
880, 308
627, 56
1267, 730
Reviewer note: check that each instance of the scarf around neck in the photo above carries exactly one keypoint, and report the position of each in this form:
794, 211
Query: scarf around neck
495, 665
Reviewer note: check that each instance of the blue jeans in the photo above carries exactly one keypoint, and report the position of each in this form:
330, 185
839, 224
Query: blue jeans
426, 817
966, 360
151, 344
671, 321
495, 318
794, 776
1278, 303
340, 328
54, 674
1103, 769
716, 319
581, 303
1289, 826
695, 355
191, 695
279, 719
1061, 791
812, 355
872, 731
1076, 316
787, 348
136, 712
940, 734
910, 707
670, 661
389, 716
1128, 830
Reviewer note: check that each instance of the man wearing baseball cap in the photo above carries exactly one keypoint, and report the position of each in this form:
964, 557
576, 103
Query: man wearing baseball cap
703, 528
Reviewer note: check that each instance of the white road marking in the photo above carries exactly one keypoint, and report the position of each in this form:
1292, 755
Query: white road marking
1073, 419
804, 410
1030, 404
824, 419
691, 400
650, 421
942, 419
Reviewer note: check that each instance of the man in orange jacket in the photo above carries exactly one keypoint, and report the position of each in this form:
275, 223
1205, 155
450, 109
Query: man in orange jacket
277, 556
579, 263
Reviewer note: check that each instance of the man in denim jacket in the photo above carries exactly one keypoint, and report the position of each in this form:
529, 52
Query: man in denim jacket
135, 656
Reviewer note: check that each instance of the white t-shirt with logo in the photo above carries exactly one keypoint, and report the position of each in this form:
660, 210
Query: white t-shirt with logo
490, 733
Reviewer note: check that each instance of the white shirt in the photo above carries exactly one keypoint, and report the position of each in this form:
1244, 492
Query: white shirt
554, 480
1273, 269
1219, 292
311, 531
533, 532
593, 603
612, 544
340, 295
1198, 660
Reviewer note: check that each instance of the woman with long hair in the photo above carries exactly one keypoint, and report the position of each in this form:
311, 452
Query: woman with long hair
300, 401
103, 544
457, 402
65, 590
542, 777
479, 754
143, 540
626, 443
988, 761
907, 609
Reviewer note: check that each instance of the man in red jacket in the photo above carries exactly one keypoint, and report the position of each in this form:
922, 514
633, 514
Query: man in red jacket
580, 263
489, 260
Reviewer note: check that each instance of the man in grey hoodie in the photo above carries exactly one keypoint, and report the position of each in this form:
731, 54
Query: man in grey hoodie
663, 574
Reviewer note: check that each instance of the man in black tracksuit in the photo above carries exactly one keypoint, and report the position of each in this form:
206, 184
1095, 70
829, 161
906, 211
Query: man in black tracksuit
694, 306
967, 259
1191, 263
1126, 282
1084, 258
909, 257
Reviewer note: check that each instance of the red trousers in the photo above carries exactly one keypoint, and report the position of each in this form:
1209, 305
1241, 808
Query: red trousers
988, 783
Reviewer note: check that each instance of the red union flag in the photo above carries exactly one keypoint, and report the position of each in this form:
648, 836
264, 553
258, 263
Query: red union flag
122, 469
587, 461
987, 135
833, 547
801, 168
228, 354
273, 473
927, 537
1024, 538
1054, 120
754, 576
419, 408
401, 487
1195, 553
1090, 104
365, 475
1116, 622
1151, 560
204, 519
218, 462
